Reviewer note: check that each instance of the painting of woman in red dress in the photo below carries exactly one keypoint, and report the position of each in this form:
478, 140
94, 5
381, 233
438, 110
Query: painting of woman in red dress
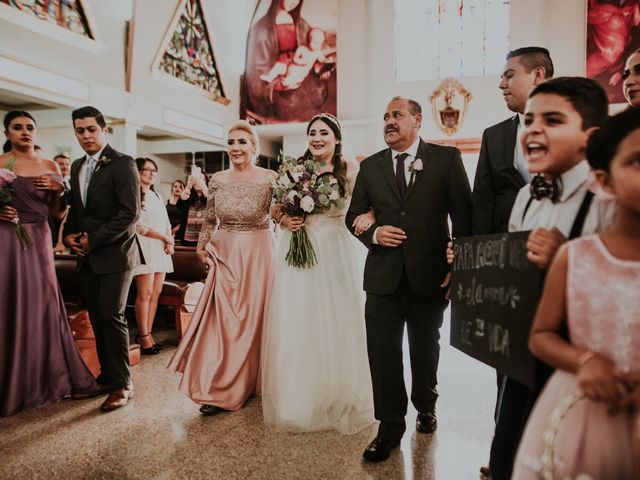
613, 32
278, 44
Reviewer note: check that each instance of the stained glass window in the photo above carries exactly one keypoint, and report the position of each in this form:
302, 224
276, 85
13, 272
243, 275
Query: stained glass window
189, 55
67, 14
450, 38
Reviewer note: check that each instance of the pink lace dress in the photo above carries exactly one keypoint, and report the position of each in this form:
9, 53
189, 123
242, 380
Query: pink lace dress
567, 435
219, 355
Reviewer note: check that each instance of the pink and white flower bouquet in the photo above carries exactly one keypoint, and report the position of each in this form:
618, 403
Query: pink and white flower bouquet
7, 177
302, 190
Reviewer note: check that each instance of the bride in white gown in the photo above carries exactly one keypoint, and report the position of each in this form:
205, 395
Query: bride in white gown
315, 372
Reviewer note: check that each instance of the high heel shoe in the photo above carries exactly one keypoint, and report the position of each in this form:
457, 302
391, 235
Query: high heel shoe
152, 350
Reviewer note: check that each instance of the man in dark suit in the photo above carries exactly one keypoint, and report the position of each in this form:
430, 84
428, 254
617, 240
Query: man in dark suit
412, 187
501, 170
500, 174
100, 229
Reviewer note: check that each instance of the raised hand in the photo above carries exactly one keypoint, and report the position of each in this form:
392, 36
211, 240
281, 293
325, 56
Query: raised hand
543, 244
45, 182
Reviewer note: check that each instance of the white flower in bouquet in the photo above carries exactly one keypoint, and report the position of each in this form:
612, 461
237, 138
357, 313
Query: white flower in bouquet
291, 196
284, 180
307, 204
334, 195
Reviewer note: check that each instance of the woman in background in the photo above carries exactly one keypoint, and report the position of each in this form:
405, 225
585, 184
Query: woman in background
175, 210
156, 242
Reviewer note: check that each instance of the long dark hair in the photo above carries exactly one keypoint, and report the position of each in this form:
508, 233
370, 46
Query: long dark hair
140, 161
339, 165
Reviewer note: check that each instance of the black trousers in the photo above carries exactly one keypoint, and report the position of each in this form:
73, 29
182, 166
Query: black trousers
385, 317
516, 401
105, 297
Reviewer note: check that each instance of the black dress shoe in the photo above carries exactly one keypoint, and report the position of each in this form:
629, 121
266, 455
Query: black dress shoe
426, 422
208, 410
379, 449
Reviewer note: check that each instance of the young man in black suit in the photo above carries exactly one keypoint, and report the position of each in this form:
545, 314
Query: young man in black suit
100, 229
501, 170
412, 187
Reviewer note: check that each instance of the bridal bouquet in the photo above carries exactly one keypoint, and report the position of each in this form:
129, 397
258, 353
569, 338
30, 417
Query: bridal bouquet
7, 177
302, 190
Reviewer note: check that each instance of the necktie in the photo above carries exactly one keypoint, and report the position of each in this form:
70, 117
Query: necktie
87, 177
400, 177
542, 188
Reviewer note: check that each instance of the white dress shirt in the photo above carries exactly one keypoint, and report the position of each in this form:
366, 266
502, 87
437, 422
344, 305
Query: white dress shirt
82, 173
413, 152
518, 155
562, 214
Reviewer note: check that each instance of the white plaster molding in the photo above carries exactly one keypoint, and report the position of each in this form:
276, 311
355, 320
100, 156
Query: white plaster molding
189, 122
39, 83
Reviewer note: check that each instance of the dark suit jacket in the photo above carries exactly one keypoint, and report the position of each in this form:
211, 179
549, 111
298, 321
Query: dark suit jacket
439, 190
497, 180
110, 214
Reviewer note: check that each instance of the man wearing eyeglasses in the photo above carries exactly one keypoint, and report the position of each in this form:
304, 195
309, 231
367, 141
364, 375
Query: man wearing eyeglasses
101, 230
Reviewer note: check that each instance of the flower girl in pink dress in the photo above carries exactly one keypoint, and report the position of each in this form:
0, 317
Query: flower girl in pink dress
583, 423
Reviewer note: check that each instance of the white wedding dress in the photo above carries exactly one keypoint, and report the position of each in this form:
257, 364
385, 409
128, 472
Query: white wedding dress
315, 372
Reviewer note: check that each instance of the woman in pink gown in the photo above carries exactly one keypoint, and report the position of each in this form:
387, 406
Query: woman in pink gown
582, 425
219, 355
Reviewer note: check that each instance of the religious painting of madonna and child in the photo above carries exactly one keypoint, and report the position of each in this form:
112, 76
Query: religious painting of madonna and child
290, 72
613, 33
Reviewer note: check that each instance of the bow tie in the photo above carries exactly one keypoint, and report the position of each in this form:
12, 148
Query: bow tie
542, 188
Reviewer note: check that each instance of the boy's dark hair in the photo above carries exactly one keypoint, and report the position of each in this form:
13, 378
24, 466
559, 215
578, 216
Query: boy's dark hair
603, 144
585, 95
534, 57
86, 112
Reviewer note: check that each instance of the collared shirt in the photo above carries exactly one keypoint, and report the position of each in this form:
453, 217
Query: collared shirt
413, 152
562, 214
518, 155
82, 173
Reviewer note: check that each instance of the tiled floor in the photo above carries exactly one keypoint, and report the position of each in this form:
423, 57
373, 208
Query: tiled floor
161, 434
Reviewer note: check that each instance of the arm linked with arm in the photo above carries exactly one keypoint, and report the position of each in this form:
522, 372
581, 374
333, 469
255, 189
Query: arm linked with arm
360, 204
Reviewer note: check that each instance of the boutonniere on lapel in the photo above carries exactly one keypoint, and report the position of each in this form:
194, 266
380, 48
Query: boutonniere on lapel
415, 167
102, 161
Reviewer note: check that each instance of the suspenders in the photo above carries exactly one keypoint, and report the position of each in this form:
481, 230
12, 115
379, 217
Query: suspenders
578, 223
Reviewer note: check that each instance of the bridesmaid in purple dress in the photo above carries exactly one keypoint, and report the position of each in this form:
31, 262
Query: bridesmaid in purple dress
39, 362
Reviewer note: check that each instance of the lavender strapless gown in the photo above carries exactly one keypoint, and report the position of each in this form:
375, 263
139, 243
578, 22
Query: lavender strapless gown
39, 362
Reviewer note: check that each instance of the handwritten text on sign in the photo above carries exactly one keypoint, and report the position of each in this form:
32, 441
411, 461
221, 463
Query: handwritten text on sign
495, 290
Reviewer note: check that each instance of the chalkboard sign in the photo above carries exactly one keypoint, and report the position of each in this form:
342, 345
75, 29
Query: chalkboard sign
494, 295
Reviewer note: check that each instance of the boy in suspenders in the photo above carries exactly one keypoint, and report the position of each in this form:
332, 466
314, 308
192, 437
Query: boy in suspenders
557, 206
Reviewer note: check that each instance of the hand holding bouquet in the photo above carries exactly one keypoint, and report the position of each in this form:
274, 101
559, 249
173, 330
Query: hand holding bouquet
7, 177
302, 190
